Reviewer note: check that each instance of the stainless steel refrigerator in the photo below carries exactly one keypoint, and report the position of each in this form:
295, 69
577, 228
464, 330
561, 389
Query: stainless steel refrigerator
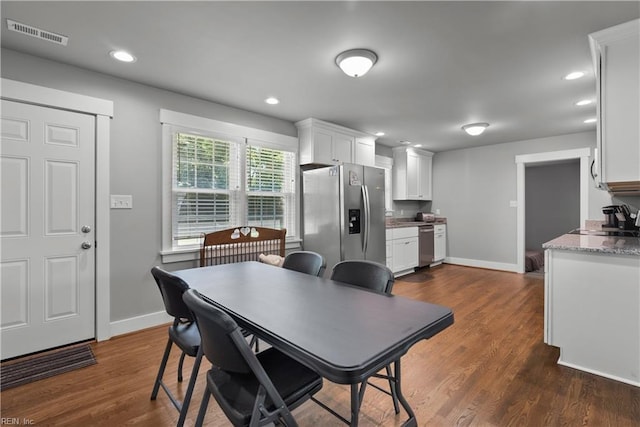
344, 214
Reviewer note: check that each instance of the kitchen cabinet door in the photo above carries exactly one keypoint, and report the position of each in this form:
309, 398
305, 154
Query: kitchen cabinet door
364, 151
424, 177
405, 254
616, 55
411, 174
439, 242
342, 147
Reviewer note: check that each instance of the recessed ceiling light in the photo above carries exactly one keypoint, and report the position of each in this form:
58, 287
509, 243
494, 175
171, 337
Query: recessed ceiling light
122, 55
379, 133
418, 145
583, 102
272, 100
592, 120
475, 129
574, 75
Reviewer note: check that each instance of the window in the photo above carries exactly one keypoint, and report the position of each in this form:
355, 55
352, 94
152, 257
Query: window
222, 177
270, 187
205, 172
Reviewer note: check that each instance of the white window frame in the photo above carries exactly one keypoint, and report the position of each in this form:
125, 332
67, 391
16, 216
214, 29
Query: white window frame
172, 121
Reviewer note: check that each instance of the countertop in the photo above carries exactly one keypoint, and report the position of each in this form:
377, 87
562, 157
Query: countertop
408, 222
594, 243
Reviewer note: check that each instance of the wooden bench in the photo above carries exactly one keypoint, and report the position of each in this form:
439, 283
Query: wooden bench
240, 244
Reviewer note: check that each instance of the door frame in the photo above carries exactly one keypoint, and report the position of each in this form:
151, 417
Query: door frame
583, 154
102, 109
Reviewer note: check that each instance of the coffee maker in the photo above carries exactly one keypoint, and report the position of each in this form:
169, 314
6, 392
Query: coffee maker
618, 216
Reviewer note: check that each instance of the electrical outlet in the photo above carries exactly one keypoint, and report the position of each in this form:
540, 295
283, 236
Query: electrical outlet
121, 201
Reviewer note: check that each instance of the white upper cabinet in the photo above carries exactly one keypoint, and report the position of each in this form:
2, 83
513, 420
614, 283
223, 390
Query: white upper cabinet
411, 174
364, 151
329, 144
616, 53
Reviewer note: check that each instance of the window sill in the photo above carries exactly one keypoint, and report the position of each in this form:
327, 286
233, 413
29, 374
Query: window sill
193, 253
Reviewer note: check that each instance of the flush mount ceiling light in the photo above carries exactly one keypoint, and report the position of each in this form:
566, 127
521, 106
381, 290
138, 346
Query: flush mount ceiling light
583, 102
356, 62
574, 75
272, 100
379, 133
475, 129
590, 121
122, 55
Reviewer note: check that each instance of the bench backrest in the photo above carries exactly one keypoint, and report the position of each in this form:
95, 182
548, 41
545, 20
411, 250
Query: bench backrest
240, 244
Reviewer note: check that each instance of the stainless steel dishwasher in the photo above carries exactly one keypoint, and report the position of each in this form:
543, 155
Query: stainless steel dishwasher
425, 245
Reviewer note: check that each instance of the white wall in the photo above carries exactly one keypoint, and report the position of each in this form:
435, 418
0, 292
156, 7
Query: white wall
473, 189
135, 166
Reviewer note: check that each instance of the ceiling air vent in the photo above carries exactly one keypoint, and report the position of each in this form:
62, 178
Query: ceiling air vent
37, 33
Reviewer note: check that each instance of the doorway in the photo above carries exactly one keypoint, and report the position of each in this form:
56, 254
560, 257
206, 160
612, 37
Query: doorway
52, 178
581, 155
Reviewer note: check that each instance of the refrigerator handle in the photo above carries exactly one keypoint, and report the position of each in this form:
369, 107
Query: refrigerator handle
367, 221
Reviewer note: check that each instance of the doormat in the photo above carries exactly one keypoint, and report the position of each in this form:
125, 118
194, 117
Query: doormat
16, 373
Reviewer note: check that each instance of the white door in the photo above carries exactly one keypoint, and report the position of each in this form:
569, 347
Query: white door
47, 280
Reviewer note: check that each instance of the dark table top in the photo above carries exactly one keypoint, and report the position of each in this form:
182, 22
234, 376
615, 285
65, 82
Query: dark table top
345, 333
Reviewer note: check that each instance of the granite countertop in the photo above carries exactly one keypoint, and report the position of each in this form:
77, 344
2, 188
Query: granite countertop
409, 222
594, 243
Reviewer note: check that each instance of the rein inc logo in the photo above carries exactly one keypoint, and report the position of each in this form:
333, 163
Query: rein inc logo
7, 421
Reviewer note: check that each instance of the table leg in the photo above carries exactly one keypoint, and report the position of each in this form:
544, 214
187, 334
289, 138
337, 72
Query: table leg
355, 405
411, 422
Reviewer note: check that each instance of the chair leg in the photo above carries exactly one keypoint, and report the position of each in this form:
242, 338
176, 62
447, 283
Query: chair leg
180, 366
163, 365
255, 342
203, 407
189, 393
392, 386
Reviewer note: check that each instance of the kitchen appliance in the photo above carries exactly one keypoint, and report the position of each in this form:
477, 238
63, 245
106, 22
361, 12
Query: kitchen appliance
343, 213
618, 216
425, 217
425, 245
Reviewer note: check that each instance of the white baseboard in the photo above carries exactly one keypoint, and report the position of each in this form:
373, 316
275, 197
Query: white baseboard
482, 264
596, 372
137, 323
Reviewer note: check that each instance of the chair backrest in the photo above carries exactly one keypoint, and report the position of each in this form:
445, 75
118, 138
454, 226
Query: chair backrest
305, 262
365, 274
172, 287
215, 328
241, 244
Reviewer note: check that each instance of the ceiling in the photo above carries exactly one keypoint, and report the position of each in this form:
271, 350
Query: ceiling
441, 64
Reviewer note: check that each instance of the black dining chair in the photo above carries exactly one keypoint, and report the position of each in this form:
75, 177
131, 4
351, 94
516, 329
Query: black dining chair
251, 389
183, 333
379, 278
305, 262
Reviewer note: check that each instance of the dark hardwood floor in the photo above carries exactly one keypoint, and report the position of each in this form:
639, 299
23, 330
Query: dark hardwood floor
490, 368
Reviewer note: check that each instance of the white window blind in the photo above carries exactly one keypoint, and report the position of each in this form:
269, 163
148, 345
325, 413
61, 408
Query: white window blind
270, 187
206, 177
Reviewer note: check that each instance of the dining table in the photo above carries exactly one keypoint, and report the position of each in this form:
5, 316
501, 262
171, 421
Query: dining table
345, 333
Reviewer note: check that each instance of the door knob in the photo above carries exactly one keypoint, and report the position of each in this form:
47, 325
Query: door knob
86, 245
86, 229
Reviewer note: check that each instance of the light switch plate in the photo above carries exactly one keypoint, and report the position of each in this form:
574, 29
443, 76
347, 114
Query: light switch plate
121, 201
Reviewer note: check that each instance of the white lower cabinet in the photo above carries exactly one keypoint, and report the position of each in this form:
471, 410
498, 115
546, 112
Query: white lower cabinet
439, 243
592, 312
402, 249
